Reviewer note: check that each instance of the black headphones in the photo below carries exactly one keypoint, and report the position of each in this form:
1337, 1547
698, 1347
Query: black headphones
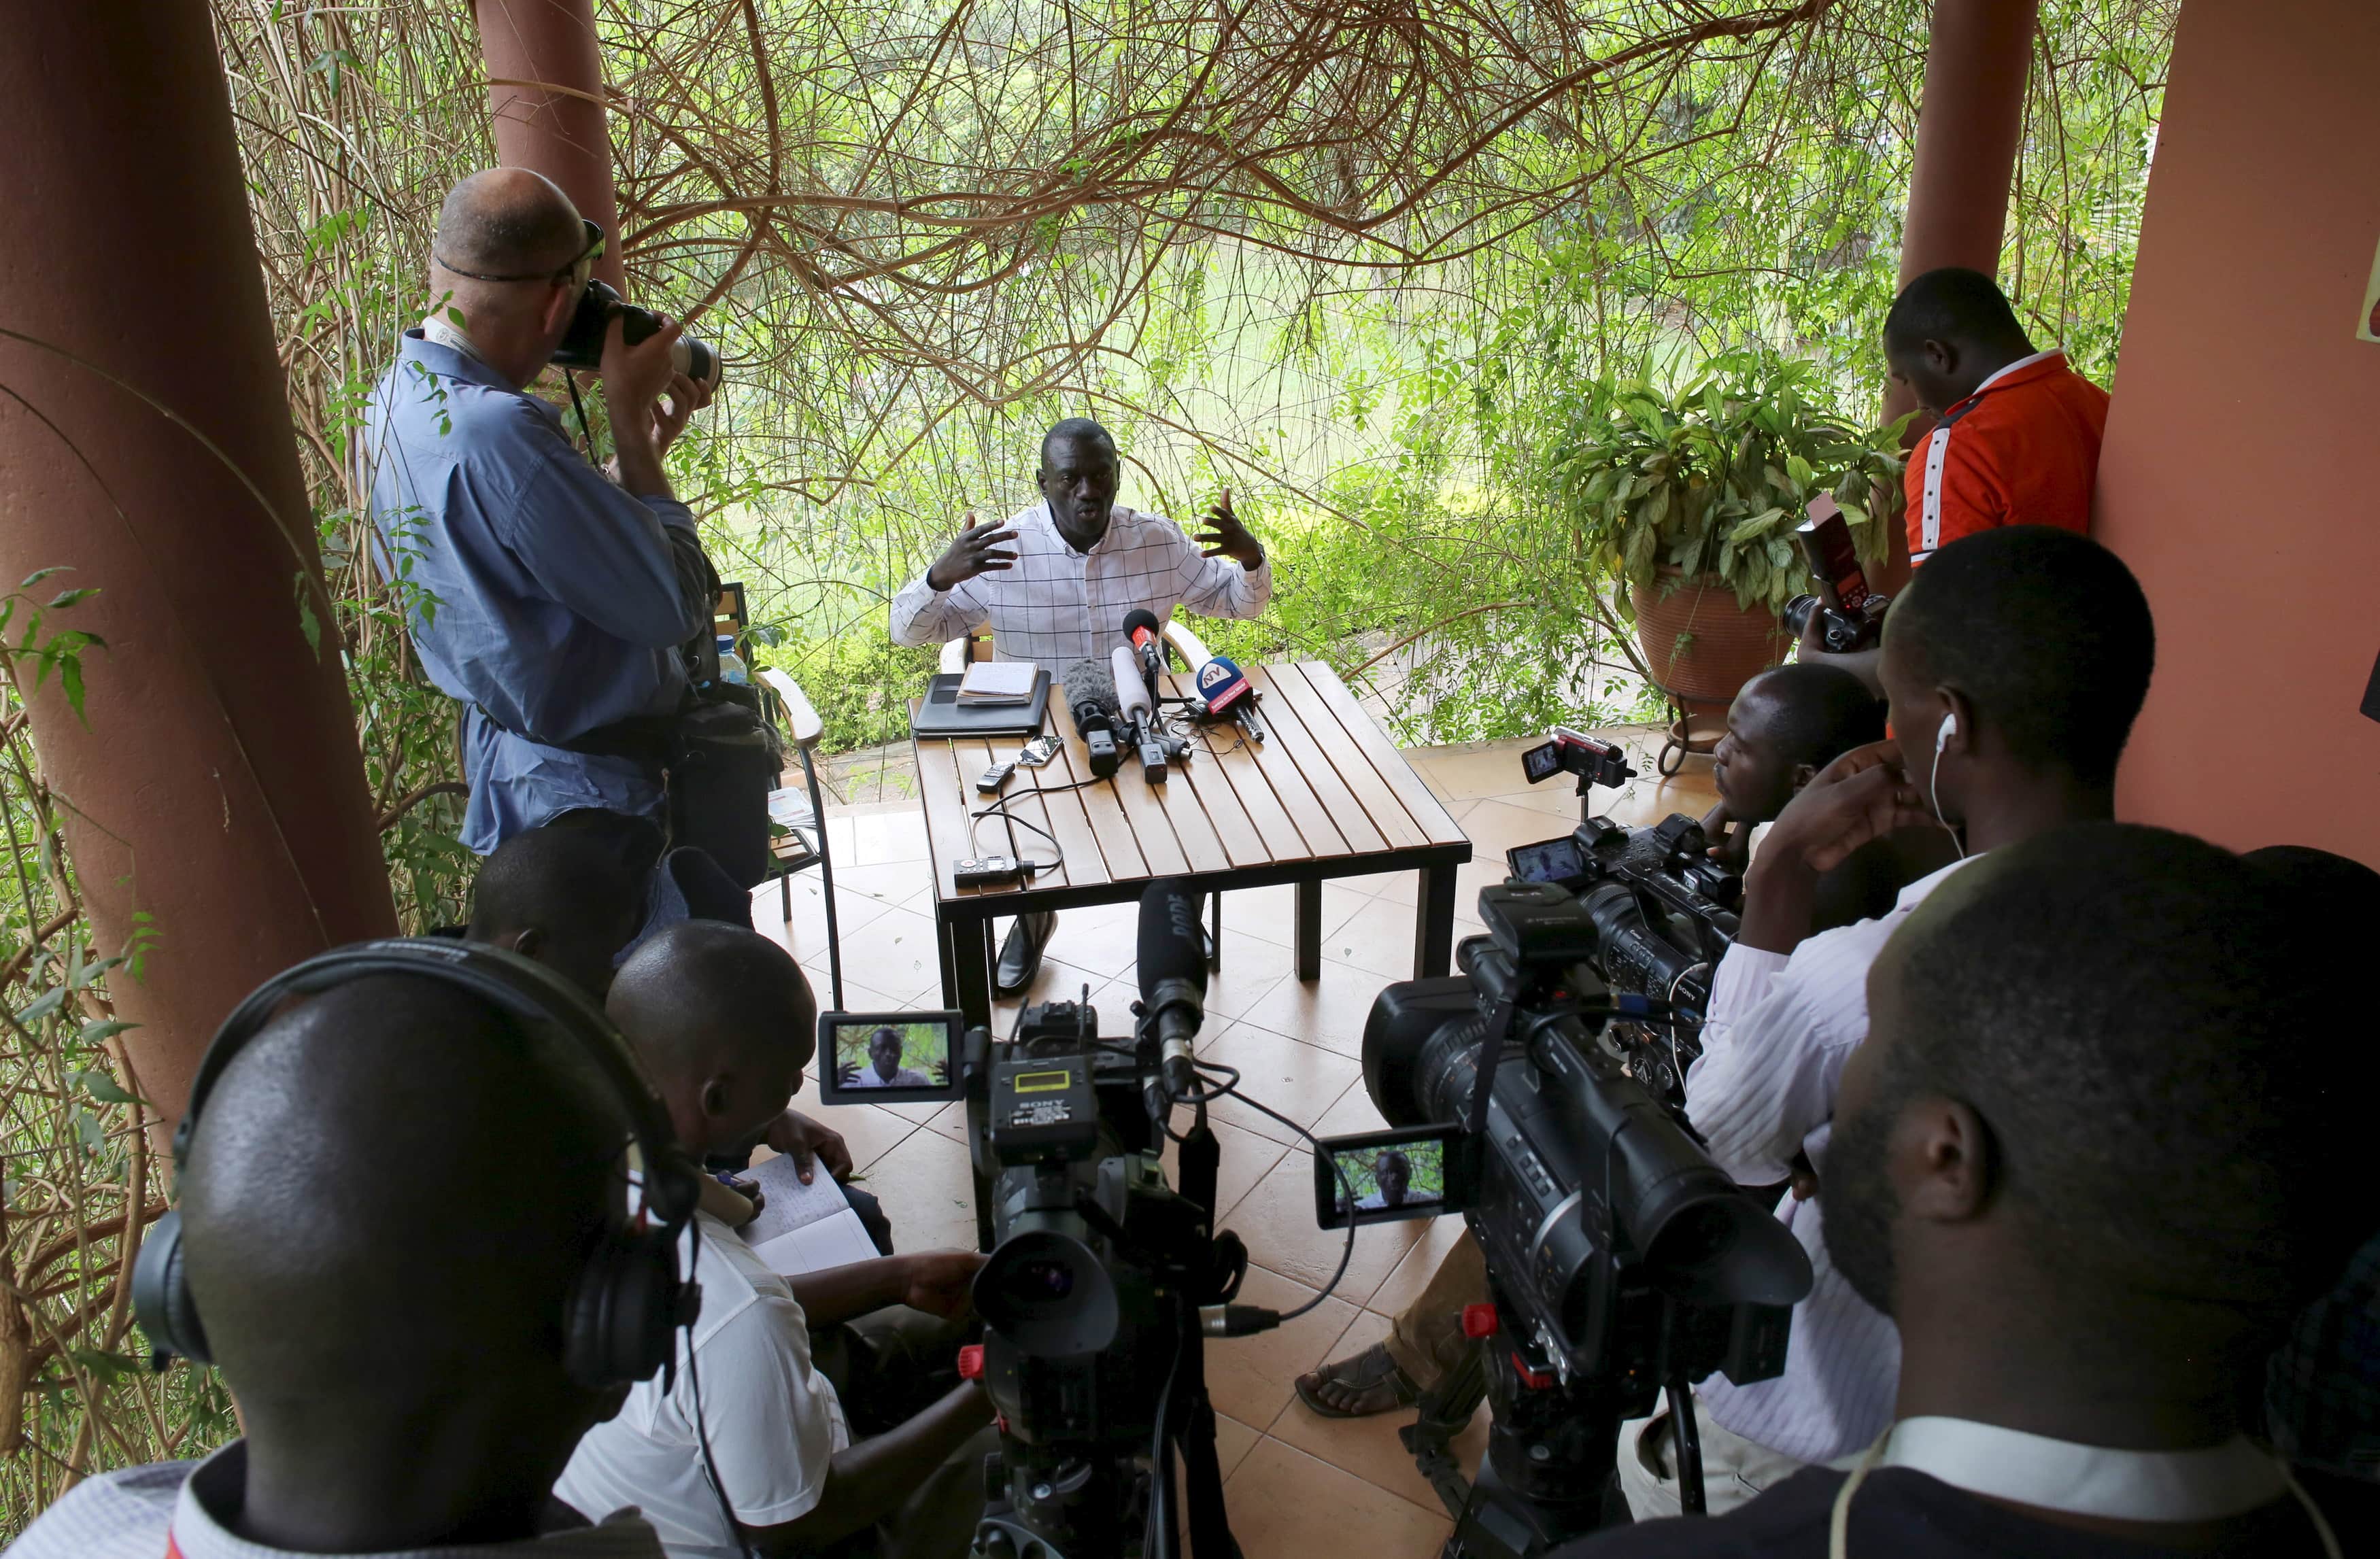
628, 1300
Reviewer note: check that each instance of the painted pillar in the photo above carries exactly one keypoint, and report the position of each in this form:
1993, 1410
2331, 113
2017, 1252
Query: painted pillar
214, 780
2236, 476
545, 93
1969, 122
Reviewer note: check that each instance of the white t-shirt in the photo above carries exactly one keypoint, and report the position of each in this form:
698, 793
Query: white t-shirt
774, 1421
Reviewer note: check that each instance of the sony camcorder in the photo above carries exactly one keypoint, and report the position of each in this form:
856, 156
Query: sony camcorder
1095, 1297
583, 347
1622, 1261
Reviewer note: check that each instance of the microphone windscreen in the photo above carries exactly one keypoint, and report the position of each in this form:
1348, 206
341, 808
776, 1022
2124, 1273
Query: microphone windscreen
1089, 682
1170, 947
1220, 682
1131, 692
1141, 621
1194, 650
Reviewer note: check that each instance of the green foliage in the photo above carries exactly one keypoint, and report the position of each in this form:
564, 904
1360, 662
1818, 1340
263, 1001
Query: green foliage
1711, 477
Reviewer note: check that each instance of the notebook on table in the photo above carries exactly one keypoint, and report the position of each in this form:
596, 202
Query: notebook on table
944, 713
804, 1228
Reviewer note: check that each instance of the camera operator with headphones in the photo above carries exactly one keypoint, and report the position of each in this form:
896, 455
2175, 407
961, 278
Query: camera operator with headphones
416, 1332
2013, 667
551, 603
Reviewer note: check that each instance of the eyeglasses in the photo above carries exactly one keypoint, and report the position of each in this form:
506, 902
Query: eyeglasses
580, 266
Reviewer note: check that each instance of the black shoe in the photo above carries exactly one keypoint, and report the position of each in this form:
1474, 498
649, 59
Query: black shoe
1020, 955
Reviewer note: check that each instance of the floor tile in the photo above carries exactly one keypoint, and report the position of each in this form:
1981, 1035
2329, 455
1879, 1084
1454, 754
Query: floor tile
1405, 1285
1102, 939
1353, 1112
1233, 1441
894, 951
1252, 967
1287, 1504
1271, 912
882, 837
1377, 939
1368, 1447
1250, 1378
1301, 1082
868, 1131
927, 1193
1330, 1011
1277, 1220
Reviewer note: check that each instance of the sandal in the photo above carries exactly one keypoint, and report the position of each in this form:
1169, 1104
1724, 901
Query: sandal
1381, 1385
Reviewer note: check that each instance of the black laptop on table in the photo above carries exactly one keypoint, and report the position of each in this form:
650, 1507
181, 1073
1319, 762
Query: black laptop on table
941, 714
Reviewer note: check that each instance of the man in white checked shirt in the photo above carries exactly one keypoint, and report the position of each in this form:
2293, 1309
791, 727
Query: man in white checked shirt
2013, 666
1058, 579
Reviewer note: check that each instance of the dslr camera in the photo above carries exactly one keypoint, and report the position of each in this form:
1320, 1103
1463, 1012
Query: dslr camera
1851, 615
582, 347
1622, 1263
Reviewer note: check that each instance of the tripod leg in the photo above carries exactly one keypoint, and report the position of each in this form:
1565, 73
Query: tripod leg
1446, 1410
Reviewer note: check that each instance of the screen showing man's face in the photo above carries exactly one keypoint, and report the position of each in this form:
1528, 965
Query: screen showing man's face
875, 1053
1383, 1180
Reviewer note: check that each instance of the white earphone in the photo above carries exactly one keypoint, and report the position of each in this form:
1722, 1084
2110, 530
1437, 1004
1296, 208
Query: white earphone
1949, 728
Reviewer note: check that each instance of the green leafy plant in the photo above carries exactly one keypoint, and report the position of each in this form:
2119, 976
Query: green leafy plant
1710, 479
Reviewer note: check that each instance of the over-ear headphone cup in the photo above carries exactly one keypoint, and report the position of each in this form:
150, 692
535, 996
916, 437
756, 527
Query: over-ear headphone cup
161, 1294
624, 1312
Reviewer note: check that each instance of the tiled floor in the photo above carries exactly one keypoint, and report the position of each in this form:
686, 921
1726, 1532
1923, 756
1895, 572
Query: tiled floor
1296, 1484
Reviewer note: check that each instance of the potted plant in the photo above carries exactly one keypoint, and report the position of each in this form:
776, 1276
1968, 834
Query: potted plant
1685, 503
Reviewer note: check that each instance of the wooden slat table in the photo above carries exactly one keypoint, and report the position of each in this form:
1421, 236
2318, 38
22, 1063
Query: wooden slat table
1328, 795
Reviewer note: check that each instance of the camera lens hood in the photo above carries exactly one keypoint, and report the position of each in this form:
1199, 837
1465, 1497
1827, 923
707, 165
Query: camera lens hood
1048, 1294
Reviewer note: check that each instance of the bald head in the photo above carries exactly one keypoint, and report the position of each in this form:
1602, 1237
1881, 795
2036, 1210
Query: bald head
508, 222
361, 1158
722, 1020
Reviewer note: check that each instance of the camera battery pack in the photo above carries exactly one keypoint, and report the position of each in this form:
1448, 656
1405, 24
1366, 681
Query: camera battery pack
1043, 1109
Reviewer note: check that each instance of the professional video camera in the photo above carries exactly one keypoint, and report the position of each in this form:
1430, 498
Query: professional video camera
1622, 1261
1092, 1298
1849, 613
1664, 914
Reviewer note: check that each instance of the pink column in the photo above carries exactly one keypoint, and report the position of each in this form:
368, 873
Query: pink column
545, 93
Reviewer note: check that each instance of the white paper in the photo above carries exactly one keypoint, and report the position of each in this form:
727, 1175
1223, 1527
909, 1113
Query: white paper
998, 682
804, 1228
832, 1243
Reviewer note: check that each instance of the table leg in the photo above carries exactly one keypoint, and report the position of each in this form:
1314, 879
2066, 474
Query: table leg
1434, 923
971, 969
1215, 938
1309, 930
944, 933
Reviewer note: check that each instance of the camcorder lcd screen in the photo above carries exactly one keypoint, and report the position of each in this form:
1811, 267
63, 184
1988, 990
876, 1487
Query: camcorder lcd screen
1380, 1176
1548, 860
887, 1057
1542, 763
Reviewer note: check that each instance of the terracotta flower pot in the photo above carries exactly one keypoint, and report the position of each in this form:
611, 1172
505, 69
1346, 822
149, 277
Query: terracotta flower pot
1700, 644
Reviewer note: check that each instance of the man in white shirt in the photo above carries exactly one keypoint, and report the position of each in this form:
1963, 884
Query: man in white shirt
722, 1021
2013, 667
885, 1068
1058, 579
2090, 1158
383, 1289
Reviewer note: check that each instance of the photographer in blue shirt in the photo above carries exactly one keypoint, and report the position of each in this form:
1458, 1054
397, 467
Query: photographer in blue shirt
549, 600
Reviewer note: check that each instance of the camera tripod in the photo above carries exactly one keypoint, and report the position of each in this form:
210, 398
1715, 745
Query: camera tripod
1552, 1449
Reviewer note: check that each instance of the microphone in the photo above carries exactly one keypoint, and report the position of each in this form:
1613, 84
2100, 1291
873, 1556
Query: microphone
1091, 698
1221, 687
1139, 714
1142, 628
1172, 958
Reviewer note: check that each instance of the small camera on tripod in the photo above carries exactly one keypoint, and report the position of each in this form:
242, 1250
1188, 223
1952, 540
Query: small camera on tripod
1850, 614
1595, 762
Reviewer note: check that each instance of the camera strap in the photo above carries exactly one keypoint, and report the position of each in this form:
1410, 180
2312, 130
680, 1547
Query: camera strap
1491, 1050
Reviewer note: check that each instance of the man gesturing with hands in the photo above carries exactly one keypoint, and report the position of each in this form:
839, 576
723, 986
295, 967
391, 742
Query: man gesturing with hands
2013, 667
1057, 580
